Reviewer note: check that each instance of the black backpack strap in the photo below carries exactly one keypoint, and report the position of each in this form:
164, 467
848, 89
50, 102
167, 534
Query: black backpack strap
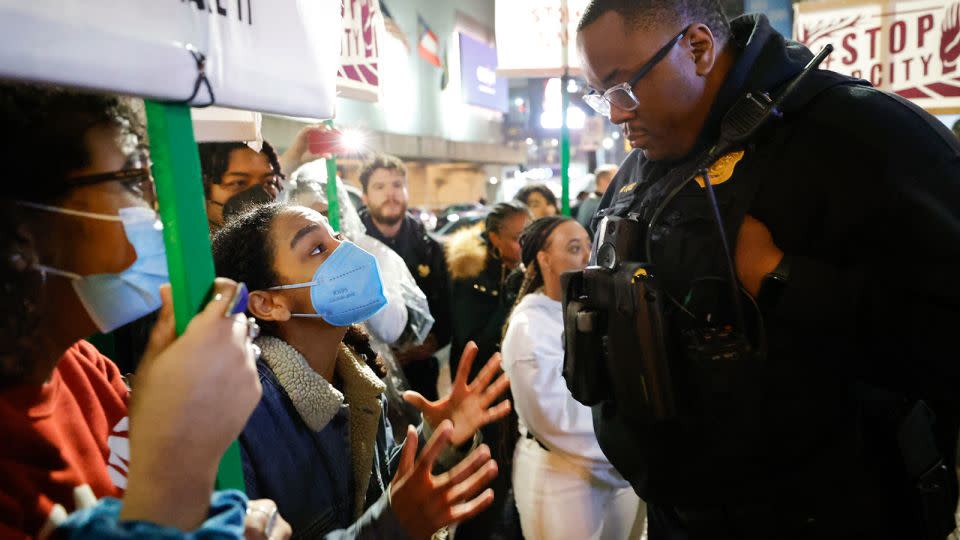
804, 96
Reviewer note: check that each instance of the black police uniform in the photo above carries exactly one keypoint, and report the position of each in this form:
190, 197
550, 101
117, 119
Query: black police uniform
425, 260
861, 190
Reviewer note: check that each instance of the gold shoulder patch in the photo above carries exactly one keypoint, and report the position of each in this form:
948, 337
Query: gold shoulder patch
628, 188
722, 169
423, 270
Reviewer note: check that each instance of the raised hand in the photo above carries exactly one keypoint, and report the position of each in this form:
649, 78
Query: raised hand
192, 395
468, 405
950, 39
299, 153
424, 503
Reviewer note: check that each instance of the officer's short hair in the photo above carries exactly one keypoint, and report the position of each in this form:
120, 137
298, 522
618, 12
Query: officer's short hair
645, 14
382, 161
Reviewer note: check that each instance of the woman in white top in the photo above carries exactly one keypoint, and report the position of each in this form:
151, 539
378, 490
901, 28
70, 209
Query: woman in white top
564, 486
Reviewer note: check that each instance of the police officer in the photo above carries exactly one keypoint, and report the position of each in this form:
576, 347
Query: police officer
849, 242
384, 181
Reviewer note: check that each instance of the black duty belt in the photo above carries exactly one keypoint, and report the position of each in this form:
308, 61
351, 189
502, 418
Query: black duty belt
531, 436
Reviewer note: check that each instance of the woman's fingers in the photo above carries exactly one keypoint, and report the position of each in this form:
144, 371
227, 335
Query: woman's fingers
466, 362
496, 389
486, 374
467, 489
165, 330
467, 510
467, 467
499, 412
436, 445
408, 454
417, 400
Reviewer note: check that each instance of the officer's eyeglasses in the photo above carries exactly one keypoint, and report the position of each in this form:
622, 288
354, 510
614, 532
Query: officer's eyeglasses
621, 95
135, 177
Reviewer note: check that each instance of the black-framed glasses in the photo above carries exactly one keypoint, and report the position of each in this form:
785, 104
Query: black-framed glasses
135, 177
621, 95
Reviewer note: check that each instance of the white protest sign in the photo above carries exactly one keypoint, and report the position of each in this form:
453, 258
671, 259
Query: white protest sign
359, 75
529, 37
911, 48
279, 56
216, 124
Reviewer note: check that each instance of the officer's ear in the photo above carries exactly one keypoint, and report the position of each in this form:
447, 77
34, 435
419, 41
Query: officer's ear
269, 306
703, 48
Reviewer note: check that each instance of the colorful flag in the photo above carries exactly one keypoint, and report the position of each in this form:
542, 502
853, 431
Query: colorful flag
445, 76
429, 45
393, 28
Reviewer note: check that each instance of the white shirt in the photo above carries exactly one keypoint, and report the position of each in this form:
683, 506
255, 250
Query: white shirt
533, 359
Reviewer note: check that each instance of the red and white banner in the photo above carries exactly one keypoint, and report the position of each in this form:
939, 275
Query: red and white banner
911, 48
359, 74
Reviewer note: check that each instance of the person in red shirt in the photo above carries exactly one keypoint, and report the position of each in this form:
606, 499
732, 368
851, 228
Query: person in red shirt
81, 250
75, 429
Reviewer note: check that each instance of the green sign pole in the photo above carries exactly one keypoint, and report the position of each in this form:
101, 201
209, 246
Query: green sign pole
333, 202
564, 105
176, 170
565, 149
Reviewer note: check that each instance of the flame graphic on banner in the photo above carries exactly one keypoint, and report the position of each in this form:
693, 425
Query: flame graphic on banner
911, 48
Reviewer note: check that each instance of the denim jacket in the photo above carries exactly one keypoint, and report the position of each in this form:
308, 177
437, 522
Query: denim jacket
102, 522
308, 446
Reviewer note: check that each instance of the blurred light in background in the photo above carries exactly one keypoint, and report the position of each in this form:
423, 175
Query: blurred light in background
353, 141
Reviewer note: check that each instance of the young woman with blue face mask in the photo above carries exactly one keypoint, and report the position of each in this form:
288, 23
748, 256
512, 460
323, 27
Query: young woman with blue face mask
318, 443
88, 255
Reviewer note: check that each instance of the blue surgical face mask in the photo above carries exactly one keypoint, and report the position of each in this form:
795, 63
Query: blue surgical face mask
113, 300
346, 289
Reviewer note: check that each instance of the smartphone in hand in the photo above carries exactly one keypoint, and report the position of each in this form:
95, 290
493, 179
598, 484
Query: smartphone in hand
327, 141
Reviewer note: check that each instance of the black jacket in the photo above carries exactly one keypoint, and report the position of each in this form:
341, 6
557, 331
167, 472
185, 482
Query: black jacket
861, 189
425, 260
480, 302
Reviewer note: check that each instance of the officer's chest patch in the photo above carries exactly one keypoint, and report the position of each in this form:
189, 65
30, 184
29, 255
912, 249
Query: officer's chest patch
722, 169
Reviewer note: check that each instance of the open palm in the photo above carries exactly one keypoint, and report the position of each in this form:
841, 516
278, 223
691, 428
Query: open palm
469, 405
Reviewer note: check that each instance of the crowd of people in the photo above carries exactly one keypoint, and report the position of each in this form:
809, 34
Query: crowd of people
330, 397
318, 350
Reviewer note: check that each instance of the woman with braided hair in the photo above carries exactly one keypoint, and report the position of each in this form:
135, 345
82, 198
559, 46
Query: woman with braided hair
564, 486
